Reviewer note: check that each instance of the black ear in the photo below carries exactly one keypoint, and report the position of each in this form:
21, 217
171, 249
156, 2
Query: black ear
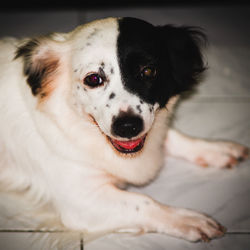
181, 49
40, 64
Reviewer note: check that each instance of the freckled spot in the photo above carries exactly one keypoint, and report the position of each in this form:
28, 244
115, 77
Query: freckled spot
107, 105
137, 208
111, 96
102, 64
94, 108
146, 202
78, 87
138, 107
75, 70
141, 102
88, 44
84, 89
94, 32
112, 70
151, 109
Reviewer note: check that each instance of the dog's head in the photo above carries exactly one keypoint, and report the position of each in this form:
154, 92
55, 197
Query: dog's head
118, 71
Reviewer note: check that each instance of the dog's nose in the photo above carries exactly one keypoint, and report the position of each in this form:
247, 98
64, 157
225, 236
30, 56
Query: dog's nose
127, 126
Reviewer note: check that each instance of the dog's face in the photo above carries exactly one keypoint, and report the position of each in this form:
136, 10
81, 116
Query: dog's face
122, 71
114, 81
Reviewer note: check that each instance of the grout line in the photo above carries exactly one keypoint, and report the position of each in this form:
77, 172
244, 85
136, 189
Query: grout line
81, 242
246, 233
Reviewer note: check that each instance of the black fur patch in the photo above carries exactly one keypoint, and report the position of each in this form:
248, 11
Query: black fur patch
174, 52
26, 52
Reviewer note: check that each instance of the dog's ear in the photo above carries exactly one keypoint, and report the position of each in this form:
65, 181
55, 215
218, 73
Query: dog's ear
181, 47
41, 63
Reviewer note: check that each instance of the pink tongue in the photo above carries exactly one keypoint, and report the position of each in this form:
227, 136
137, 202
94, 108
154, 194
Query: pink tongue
128, 144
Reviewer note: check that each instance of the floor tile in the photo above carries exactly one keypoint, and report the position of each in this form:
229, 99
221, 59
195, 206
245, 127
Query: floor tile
225, 120
162, 242
38, 241
227, 74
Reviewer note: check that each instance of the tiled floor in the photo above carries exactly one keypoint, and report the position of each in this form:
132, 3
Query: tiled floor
219, 109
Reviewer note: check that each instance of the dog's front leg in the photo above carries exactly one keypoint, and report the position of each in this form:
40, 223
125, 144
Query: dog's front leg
220, 154
110, 209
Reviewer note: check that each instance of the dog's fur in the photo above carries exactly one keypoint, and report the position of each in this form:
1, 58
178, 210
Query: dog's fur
58, 133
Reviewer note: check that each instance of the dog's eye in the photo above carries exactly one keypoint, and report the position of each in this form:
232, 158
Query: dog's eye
148, 73
93, 80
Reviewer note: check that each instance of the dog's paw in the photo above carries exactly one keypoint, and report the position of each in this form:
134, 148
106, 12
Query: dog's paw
194, 226
219, 154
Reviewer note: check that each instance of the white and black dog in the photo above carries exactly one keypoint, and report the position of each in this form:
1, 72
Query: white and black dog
84, 113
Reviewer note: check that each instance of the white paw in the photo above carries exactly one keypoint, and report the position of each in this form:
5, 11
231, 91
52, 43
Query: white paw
218, 154
194, 226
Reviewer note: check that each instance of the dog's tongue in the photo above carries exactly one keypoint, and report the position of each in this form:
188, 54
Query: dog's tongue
128, 144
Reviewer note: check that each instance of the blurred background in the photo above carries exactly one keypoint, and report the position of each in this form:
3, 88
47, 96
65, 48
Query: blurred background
223, 20
218, 109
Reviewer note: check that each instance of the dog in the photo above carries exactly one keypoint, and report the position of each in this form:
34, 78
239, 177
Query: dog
85, 113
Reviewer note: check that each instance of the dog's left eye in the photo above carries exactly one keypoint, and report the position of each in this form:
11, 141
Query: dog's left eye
93, 80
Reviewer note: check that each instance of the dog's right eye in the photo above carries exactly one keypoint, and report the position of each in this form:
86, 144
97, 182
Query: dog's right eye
93, 80
148, 73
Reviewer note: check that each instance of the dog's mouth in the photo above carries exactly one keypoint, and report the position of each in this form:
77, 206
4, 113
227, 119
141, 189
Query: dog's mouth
125, 147
130, 146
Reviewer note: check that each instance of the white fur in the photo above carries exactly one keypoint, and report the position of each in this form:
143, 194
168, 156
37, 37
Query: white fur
53, 150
